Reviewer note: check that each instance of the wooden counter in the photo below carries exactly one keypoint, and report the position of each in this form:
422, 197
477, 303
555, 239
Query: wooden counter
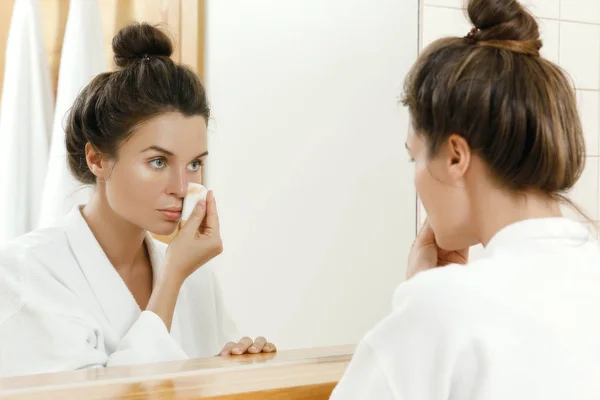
295, 374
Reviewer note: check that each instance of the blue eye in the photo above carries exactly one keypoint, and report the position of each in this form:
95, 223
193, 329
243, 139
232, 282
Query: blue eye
158, 163
195, 165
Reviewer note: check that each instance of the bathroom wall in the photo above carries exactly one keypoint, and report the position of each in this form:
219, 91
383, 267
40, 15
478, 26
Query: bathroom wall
308, 164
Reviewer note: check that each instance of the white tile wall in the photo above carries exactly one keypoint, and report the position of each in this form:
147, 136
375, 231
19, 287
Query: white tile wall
588, 102
570, 30
585, 194
447, 3
580, 53
540, 8
439, 22
550, 34
580, 10
544, 8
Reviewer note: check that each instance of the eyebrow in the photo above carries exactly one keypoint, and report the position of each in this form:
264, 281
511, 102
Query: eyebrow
159, 149
169, 153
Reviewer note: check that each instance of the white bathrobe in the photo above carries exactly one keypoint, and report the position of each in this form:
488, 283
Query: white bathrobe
522, 323
63, 306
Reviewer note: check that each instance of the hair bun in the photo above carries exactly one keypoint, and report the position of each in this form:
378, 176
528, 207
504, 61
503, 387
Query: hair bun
137, 41
504, 20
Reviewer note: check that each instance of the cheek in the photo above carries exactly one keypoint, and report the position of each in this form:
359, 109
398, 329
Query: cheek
134, 188
447, 209
195, 176
423, 186
432, 196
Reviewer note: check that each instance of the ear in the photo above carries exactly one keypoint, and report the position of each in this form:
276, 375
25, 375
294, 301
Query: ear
98, 163
459, 156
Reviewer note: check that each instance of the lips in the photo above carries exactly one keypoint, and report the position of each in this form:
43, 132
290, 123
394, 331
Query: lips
171, 214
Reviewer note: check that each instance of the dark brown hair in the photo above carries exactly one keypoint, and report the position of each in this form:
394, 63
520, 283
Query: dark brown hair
516, 109
145, 84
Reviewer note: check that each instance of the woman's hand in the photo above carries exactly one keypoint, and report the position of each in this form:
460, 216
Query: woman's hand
425, 253
197, 242
246, 345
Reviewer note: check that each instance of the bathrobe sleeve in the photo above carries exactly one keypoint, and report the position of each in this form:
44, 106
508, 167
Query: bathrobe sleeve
48, 332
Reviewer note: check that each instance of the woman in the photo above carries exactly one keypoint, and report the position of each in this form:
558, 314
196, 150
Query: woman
496, 141
99, 291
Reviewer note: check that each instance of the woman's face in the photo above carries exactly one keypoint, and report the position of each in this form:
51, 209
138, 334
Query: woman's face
441, 186
148, 179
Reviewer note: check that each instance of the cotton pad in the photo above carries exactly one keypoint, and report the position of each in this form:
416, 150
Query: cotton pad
195, 193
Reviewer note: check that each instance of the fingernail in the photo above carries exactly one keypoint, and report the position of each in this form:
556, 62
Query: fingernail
267, 348
236, 350
224, 353
252, 348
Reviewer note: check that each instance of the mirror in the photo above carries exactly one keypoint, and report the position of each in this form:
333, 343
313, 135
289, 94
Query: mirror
307, 159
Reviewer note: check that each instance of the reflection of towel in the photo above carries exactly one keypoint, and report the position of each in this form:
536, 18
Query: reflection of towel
82, 58
25, 122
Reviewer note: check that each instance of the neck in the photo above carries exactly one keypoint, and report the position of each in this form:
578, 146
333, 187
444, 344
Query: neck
508, 208
122, 241
497, 208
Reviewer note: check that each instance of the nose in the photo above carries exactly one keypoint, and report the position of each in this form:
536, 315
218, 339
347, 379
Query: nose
178, 183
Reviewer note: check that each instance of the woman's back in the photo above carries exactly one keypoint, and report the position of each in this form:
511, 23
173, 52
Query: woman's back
521, 323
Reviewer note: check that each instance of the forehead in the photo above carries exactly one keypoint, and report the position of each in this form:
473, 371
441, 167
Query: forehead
172, 131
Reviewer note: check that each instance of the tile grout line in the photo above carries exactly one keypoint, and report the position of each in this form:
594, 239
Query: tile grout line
543, 18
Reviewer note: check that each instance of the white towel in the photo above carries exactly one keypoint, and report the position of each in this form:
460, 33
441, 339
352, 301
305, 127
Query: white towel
83, 57
25, 122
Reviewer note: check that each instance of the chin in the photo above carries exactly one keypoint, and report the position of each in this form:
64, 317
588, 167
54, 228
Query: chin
165, 228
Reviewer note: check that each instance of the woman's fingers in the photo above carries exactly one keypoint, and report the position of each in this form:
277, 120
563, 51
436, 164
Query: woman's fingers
227, 349
258, 345
269, 348
453, 257
211, 225
242, 346
425, 236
